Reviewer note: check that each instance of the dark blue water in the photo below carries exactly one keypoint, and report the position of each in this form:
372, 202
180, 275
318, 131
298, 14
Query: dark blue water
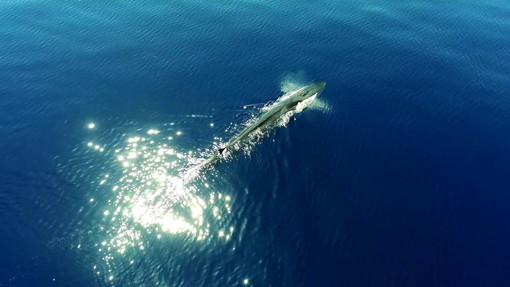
400, 179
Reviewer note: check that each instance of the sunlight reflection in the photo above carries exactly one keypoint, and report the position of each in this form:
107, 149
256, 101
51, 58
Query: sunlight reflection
151, 197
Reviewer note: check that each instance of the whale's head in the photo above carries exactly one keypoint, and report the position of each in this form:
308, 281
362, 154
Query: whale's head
309, 91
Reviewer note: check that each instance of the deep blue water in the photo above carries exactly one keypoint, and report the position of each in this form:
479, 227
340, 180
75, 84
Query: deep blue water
402, 180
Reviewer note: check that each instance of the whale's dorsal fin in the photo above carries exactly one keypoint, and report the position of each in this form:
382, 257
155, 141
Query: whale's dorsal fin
221, 149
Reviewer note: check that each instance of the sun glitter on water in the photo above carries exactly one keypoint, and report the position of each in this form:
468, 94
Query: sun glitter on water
150, 196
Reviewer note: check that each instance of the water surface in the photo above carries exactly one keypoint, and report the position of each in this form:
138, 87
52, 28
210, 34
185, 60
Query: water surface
399, 178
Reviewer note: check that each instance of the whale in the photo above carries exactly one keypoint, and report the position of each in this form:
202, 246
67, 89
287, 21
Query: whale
288, 103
